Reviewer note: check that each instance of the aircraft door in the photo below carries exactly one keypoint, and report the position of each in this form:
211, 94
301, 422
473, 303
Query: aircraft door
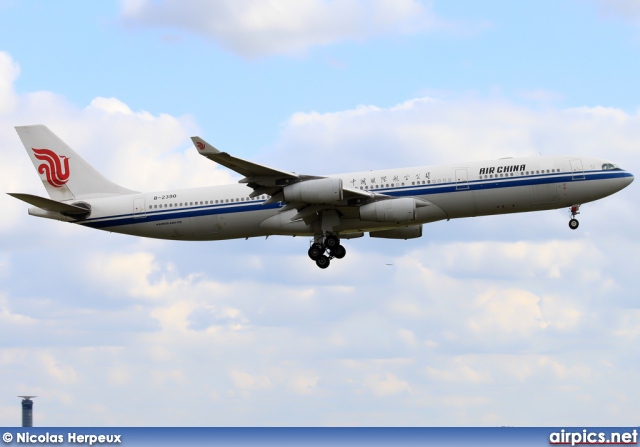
462, 181
577, 172
139, 210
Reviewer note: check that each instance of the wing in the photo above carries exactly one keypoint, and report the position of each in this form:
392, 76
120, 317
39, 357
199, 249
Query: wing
250, 170
309, 195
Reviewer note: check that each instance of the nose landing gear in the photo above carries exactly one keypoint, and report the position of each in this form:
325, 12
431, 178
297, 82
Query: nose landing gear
323, 250
573, 223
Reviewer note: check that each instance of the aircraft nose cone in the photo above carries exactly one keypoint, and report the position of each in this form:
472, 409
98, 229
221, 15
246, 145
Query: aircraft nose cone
629, 179
626, 180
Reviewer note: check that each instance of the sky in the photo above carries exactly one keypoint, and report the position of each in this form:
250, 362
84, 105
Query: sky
504, 320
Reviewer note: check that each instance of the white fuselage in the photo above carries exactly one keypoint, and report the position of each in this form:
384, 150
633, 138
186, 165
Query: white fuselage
511, 185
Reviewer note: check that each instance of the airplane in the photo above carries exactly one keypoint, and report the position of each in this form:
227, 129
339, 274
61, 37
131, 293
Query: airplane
391, 203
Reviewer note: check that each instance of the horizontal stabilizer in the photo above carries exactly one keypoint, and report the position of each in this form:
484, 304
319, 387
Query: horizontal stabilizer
49, 205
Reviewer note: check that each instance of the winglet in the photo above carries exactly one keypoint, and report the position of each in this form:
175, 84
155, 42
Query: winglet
203, 147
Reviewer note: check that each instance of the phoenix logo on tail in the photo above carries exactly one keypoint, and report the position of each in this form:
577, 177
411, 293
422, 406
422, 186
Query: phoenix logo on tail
53, 169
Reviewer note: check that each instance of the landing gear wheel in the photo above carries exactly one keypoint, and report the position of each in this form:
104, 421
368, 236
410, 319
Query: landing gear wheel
315, 251
331, 242
323, 262
339, 252
573, 224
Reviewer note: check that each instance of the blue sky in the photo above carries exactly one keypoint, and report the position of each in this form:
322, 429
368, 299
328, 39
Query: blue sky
505, 320
489, 49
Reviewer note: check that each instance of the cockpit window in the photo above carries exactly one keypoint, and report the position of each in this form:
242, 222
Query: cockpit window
608, 166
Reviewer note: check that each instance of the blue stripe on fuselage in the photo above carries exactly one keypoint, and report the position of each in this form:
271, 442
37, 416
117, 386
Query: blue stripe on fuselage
399, 191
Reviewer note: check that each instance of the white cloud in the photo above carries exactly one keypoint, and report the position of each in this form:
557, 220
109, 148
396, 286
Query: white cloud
10, 319
9, 72
305, 383
246, 381
425, 131
459, 370
60, 372
624, 9
128, 272
386, 384
256, 27
509, 312
112, 105
521, 259
136, 149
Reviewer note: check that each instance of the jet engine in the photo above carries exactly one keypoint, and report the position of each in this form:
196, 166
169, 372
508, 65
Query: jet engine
412, 232
325, 190
393, 210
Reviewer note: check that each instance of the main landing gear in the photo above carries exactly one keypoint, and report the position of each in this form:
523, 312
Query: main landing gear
323, 251
573, 223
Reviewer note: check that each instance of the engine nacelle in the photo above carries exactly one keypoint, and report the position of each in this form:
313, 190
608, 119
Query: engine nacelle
392, 210
405, 233
324, 190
